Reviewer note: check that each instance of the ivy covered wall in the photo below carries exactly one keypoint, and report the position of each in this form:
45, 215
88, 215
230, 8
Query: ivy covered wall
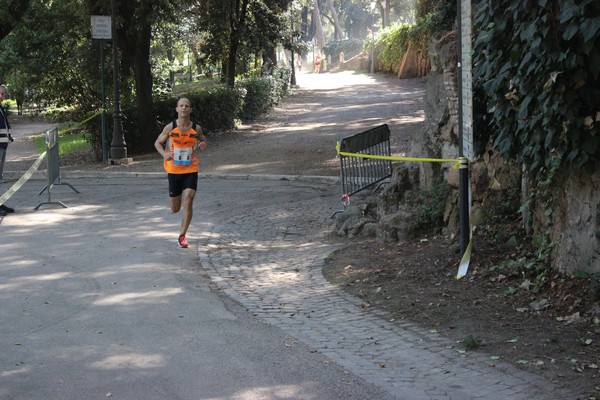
536, 68
537, 63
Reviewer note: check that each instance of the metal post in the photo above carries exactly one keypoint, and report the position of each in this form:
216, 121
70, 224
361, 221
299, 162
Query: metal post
293, 77
463, 211
103, 115
118, 150
373, 5
372, 51
465, 233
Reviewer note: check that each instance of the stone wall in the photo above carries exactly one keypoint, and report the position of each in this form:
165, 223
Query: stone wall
356, 63
573, 225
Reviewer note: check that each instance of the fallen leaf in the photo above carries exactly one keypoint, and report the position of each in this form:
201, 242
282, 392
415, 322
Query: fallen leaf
540, 305
569, 318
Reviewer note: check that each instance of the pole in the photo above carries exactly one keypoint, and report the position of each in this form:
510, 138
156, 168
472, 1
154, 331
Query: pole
103, 115
293, 77
372, 51
373, 5
118, 149
463, 170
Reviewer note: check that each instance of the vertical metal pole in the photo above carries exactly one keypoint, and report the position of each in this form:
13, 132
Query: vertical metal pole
117, 146
372, 51
103, 115
464, 163
293, 77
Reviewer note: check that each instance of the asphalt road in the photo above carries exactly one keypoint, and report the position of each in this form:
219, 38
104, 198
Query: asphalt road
97, 301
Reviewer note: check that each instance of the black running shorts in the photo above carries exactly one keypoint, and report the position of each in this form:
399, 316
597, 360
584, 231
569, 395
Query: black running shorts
179, 182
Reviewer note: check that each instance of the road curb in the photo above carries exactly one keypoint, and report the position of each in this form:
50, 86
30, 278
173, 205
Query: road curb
82, 174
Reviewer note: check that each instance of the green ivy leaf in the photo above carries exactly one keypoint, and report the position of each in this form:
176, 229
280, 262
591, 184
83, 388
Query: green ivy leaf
570, 31
569, 11
590, 28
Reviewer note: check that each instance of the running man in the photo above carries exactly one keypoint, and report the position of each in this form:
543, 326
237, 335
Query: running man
179, 144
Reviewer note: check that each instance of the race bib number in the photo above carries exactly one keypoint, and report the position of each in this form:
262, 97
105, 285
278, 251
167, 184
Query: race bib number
182, 155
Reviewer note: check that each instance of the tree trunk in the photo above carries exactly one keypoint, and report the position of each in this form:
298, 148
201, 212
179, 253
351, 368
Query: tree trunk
387, 7
269, 59
339, 32
146, 117
134, 39
318, 24
304, 24
231, 62
237, 23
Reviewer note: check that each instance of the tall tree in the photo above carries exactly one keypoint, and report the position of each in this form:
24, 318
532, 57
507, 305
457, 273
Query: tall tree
51, 52
11, 13
339, 32
133, 22
134, 39
318, 24
238, 11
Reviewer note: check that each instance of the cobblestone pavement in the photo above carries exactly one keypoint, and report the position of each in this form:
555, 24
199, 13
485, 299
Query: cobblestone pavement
267, 254
270, 261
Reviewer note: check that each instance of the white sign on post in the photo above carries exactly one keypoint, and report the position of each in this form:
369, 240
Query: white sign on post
101, 27
466, 132
467, 80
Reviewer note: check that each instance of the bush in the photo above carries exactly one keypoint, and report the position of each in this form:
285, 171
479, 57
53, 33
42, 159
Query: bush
216, 109
391, 46
257, 97
262, 93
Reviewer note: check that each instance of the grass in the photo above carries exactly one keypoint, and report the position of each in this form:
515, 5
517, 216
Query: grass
69, 143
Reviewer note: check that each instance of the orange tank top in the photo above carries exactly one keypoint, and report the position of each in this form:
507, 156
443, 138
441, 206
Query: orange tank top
183, 147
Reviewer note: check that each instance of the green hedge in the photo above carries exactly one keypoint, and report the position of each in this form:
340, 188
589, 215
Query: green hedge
217, 109
262, 93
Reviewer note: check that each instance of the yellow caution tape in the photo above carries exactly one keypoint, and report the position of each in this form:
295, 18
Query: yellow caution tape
8, 194
456, 161
78, 124
18, 184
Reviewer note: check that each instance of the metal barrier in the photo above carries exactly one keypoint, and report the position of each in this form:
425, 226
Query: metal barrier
53, 163
359, 173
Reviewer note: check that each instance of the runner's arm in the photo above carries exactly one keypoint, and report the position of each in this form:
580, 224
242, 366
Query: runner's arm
159, 144
201, 139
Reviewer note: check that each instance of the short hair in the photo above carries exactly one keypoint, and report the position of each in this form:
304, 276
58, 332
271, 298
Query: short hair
184, 98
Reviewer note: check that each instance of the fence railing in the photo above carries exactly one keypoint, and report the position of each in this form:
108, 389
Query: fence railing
53, 172
358, 173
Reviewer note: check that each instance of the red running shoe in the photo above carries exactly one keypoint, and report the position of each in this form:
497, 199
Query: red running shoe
182, 242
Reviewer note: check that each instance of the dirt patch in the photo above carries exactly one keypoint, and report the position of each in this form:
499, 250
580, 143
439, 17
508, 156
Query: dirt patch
548, 327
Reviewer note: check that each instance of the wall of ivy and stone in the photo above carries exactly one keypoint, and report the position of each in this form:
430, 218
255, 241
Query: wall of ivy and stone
571, 232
